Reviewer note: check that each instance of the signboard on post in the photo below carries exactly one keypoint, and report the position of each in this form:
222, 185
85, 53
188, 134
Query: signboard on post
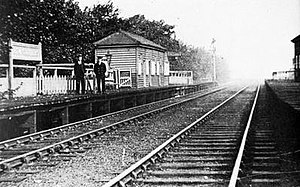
21, 51
24, 51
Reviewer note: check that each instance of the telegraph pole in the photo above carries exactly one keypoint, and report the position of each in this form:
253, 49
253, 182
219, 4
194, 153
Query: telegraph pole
214, 59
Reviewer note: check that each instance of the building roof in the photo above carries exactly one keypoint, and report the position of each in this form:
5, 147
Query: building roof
126, 38
296, 39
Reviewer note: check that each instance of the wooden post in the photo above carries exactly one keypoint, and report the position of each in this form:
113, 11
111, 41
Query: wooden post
33, 128
35, 80
65, 115
10, 70
40, 68
94, 84
55, 73
108, 105
90, 114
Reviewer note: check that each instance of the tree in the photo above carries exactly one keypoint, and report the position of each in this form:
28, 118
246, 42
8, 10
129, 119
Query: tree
52, 22
98, 22
65, 30
197, 60
62, 27
157, 31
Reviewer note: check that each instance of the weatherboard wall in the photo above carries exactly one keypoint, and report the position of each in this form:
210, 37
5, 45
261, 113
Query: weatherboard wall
139, 60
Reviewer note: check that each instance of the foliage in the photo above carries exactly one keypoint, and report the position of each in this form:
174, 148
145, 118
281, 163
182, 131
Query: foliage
98, 22
196, 59
5, 94
65, 30
200, 61
51, 22
62, 27
156, 31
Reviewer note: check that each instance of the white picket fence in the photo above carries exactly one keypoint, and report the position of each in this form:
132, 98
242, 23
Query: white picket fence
181, 77
56, 84
53, 84
60, 84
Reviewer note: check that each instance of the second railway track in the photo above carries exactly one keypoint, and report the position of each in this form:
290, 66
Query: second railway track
32, 147
24, 149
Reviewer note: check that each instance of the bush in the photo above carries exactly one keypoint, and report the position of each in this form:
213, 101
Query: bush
7, 93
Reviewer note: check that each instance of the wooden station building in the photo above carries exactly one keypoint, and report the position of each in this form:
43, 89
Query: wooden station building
296, 59
135, 61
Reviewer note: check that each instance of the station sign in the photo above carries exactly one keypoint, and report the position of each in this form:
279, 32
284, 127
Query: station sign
24, 51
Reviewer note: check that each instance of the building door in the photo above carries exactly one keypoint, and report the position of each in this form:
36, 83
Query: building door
144, 73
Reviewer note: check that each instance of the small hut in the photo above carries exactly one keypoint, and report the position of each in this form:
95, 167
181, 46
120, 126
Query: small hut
135, 61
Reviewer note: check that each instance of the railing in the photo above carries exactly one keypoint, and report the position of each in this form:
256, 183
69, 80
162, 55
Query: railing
62, 84
125, 82
55, 84
283, 75
181, 77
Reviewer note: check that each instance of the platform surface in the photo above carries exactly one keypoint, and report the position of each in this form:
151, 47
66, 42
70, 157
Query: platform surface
48, 100
24, 102
287, 91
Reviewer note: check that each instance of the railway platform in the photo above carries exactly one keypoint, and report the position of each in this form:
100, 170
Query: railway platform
286, 91
28, 115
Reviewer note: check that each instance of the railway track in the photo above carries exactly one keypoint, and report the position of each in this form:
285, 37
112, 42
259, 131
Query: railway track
203, 153
64, 139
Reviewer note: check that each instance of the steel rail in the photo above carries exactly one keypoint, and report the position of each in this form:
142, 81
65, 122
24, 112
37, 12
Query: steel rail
41, 134
36, 135
132, 172
236, 168
33, 155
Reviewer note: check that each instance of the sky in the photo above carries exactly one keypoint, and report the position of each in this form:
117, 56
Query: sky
253, 36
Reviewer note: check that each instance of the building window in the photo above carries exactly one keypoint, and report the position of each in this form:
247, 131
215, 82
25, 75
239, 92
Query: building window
157, 67
153, 68
166, 68
147, 67
139, 67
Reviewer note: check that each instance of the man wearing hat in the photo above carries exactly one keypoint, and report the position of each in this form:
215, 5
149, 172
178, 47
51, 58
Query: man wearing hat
79, 70
100, 69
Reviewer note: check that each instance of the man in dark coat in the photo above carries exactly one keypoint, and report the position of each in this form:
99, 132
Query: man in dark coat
79, 70
100, 69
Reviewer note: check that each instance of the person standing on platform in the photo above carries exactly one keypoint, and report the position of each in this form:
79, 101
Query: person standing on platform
100, 69
79, 70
